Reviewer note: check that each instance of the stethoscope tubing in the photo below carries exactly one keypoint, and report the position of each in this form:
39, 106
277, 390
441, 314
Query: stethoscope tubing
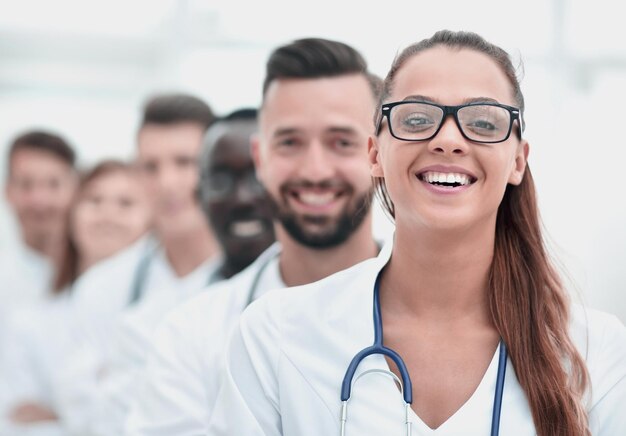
379, 348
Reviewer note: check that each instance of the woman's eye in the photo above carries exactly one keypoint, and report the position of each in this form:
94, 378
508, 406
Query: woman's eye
482, 125
416, 122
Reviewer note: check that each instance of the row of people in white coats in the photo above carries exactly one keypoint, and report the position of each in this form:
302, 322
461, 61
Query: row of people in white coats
463, 306
70, 356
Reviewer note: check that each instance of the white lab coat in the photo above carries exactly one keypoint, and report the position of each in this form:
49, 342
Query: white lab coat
101, 296
104, 292
288, 356
40, 339
37, 343
25, 280
25, 277
130, 348
182, 373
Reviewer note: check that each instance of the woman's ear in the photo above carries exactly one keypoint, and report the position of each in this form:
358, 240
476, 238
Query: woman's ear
376, 169
521, 159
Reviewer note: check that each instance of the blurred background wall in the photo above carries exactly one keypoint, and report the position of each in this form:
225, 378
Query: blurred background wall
83, 69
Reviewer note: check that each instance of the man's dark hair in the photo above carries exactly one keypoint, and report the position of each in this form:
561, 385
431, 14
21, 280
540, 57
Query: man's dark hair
243, 114
315, 58
177, 108
46, 142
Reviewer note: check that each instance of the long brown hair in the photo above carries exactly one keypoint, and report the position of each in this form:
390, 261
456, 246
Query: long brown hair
68, 270
528, 303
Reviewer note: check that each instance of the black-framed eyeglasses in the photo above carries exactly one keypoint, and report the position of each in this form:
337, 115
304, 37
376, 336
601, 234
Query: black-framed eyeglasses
486, 123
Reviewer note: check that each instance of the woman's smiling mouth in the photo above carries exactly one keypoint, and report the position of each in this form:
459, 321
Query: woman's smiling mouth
449, 180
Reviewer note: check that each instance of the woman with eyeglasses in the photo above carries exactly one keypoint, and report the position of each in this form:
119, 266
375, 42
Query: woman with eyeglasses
462, 326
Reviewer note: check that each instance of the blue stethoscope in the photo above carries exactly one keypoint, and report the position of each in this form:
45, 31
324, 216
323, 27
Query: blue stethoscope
405, 385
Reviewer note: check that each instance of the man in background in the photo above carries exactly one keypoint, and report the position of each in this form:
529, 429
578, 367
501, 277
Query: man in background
234, 201
40, 185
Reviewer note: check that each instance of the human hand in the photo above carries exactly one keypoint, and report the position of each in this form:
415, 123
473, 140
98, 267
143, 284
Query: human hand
30, 413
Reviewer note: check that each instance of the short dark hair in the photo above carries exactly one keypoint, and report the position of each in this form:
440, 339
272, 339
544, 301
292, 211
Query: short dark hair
243, 114
176, 108
315, 58
46, 142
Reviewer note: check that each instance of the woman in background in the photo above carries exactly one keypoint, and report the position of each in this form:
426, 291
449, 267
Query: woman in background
110, 212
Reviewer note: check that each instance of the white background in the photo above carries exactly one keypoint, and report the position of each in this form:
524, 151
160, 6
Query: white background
83, 68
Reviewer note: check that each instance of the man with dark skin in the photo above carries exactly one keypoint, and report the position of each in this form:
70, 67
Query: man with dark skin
230, 194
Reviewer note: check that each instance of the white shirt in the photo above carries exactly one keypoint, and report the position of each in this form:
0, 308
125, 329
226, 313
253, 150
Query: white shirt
182, 374
289, 354
101, 296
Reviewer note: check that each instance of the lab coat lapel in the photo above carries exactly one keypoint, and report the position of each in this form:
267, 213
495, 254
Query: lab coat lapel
343, 317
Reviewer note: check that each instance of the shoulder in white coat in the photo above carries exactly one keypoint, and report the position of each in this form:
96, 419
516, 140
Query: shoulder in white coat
187, 351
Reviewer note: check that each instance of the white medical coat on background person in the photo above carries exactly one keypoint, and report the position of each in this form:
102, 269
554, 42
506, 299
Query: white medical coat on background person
25, 277
130, 348
101, 296
182, 371
104, 292
38, 340
39, 429
288, 356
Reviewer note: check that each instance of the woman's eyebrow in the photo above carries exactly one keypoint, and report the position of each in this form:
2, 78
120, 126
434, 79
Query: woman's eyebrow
418, 97
480, 100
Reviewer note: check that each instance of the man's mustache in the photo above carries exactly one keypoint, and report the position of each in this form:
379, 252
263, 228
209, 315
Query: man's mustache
321, 185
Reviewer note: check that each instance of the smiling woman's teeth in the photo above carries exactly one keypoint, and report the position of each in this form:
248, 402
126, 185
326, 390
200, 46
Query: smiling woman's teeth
447, 178
315, 199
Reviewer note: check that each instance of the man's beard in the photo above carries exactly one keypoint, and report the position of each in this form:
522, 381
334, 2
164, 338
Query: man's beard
333, 231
